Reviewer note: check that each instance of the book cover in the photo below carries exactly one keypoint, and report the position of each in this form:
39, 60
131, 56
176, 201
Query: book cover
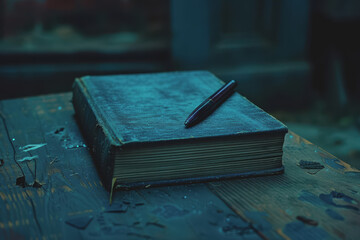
134, 110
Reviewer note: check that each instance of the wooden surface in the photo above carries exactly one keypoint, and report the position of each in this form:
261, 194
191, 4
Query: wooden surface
62, 196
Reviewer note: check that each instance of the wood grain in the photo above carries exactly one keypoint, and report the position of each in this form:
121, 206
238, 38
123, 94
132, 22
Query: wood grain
300, 204
69, 193
328, 196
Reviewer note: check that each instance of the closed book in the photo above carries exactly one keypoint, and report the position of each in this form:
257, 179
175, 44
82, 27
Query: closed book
134, 126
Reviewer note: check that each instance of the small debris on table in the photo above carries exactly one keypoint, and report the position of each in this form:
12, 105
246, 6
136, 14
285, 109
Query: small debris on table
310, 165
307, 220
20, 181
116, 208
79, 222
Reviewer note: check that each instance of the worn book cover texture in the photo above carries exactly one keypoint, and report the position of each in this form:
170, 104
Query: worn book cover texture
133, 110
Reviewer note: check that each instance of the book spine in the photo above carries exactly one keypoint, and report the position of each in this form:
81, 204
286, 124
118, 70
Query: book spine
95, 133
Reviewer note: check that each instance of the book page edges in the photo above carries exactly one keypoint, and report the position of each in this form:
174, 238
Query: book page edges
191, 180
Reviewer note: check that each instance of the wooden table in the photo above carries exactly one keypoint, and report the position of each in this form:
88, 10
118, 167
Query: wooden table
51, 190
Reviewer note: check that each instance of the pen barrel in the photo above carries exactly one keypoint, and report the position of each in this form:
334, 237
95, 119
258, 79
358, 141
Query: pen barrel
224, 91
210, 104
201, 112
206, 108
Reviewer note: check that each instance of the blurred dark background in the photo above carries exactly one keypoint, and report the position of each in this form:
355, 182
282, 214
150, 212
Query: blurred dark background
297, 59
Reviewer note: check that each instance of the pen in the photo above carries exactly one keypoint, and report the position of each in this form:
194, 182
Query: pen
210, 104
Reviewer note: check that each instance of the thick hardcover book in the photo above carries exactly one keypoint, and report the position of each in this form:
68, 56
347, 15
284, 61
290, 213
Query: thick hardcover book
134, 125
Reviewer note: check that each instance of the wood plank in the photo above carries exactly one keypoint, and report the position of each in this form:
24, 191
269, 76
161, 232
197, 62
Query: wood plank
63, 192
284, 206
68, 199
290, 205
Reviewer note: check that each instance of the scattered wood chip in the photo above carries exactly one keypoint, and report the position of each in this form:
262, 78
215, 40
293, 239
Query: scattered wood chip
54, 160
20, 181
28, 158
310, 165
59, 130
307, 220
79, 222
116, 208
31, 147
36, 184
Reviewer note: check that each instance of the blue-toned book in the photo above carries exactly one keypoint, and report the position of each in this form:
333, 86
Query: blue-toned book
134, 125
